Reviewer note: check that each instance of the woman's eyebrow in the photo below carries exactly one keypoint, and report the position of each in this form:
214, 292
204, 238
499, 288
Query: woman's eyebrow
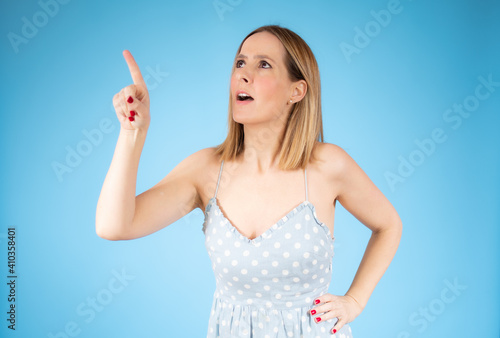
260, 56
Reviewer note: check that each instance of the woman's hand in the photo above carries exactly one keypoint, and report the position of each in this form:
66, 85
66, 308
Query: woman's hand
329, 306
132, 102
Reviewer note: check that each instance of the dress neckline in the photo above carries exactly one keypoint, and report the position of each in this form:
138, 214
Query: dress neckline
275, 226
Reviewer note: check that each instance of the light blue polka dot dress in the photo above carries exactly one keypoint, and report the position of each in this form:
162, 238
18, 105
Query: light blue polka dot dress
266, 286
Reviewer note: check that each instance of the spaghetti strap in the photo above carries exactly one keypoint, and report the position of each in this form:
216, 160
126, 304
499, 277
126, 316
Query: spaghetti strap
218, 180
305, 176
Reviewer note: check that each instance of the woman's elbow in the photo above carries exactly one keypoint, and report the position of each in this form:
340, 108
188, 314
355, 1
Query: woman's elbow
104, 233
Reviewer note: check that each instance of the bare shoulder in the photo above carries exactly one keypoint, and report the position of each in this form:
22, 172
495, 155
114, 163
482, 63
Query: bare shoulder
331, 159
203, 156
200, 159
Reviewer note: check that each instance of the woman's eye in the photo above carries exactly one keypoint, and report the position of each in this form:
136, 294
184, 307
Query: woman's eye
265, 63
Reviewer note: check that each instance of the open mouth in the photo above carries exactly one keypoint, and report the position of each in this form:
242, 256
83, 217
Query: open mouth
244, 97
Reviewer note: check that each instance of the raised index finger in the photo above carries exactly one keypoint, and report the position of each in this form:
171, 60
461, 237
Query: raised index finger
134, 68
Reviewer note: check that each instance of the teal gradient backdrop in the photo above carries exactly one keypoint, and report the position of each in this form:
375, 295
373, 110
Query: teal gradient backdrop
411, 90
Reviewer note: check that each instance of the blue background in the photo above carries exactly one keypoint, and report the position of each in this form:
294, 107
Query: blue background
394, 90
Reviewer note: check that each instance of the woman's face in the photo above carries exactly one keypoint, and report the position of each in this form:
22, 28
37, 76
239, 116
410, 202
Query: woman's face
260, 72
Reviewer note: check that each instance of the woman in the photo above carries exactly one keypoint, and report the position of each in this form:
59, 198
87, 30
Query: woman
271, 250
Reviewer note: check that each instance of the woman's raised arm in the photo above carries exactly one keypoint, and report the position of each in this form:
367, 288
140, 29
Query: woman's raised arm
120, 215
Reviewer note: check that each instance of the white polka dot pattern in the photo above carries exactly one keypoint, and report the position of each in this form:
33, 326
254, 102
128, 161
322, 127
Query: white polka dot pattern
266, 286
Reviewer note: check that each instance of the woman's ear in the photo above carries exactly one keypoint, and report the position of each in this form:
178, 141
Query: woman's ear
299, 91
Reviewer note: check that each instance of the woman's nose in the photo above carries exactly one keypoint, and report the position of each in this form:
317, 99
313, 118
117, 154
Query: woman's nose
242, 75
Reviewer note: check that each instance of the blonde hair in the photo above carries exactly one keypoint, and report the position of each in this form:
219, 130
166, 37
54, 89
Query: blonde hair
304, 125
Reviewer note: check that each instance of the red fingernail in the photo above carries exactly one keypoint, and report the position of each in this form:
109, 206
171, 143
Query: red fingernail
316, 301
132, 113
334, 330
130, 99
318, 319
313, 312
131, 118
